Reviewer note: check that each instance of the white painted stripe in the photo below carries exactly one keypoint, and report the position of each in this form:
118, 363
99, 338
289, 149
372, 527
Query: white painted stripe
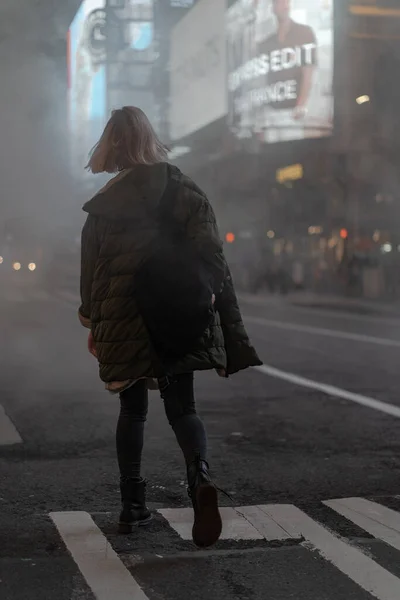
234, 525
330, 390
350, 560
180, 519
103, 571
344, 335
300, 308
264, 524
8, 432
381, 522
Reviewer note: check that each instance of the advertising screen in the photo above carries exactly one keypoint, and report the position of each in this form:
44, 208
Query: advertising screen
86, 81
182, 3
131, 55
198, 69
280, 69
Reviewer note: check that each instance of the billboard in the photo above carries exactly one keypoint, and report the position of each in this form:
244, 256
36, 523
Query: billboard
198, 94
130, 54
110, 58
182, 3
86, 81
280, 69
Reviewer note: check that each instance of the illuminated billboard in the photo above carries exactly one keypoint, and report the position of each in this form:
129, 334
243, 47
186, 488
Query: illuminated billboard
198, 93
280, 69
107, 71
182, 3
86, 80
130, 54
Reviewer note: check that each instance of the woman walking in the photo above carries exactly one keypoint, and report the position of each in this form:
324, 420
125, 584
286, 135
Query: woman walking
160, 304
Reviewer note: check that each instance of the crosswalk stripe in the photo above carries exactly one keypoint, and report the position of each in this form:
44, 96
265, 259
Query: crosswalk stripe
8, 432
269, 529
234, 525
108, 578
352, 562
103, 571
381, 522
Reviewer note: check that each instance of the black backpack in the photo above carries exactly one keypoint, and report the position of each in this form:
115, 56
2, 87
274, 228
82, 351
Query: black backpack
174, 285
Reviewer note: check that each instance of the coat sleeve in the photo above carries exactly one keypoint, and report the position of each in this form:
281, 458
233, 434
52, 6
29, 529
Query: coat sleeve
90, 249
201, 227
239, 350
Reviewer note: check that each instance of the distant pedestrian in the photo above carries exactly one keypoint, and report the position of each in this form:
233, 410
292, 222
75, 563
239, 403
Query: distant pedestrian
159, 301
298, 275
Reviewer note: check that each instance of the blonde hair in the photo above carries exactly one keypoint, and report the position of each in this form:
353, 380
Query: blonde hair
127, 140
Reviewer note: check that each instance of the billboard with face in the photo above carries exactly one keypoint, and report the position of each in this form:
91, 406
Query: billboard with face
86, 80
280, 69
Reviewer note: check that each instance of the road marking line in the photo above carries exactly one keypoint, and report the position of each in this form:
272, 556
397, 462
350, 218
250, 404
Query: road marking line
355, 337
330, 390
234, 525
349, 560
269, 529
381, 522
239, 523
180, 519
99, 564
8, 432
298, 307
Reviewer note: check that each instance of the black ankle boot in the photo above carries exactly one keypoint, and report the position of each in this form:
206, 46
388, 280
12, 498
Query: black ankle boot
207, 524
134, 510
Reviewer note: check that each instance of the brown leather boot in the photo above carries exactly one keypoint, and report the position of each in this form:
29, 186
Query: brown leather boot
207, 524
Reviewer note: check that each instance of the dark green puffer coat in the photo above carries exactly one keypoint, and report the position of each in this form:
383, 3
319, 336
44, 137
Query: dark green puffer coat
120, 226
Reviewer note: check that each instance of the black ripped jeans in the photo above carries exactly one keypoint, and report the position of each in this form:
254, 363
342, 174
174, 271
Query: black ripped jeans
180, 408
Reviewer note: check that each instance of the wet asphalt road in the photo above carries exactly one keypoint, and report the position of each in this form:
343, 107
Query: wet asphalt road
271, 442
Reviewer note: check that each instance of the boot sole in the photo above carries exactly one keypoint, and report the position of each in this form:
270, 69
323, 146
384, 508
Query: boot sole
126, 528
207, 525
